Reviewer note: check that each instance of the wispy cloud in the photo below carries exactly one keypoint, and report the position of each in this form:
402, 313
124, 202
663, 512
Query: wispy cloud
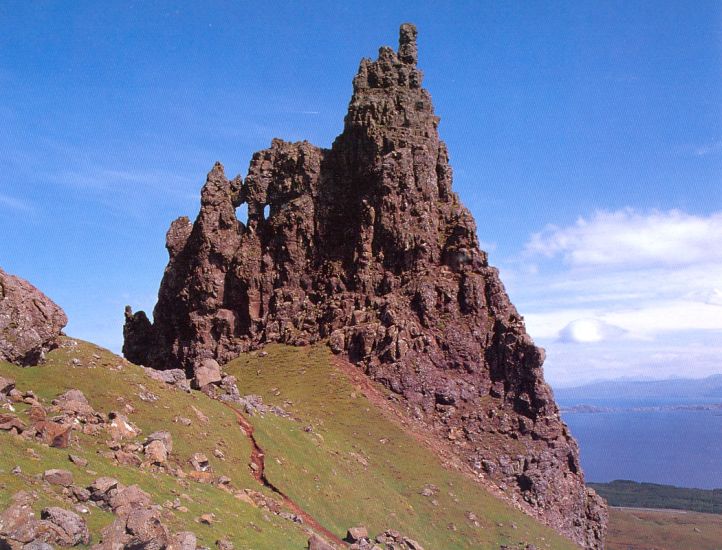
13, 203
709, 148
106, 179
626, 238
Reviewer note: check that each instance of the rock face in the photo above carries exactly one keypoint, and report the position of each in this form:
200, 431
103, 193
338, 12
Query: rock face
30, 322
366, 246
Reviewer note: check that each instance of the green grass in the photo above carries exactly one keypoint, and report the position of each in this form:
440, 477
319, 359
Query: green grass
107, 389
356, 467
359, 467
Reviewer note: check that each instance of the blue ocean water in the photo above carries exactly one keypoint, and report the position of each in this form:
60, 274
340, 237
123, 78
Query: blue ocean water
665, 445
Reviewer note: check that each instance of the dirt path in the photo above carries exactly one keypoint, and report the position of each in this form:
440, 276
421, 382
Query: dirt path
258, 469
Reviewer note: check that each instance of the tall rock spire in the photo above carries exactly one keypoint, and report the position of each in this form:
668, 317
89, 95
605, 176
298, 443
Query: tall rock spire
367, 248
408, 52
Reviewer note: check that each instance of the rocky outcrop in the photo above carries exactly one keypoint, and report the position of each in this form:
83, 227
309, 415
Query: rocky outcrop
366, 246
30, 322
20, 527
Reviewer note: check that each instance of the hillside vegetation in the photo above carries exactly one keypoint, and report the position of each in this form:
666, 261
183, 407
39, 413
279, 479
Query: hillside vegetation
652, 495
637, 529
338, 456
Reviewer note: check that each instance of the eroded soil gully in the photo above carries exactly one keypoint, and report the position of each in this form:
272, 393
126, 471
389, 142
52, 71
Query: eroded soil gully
258, 460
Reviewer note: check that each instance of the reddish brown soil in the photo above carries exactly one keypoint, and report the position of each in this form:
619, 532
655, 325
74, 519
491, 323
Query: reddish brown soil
259, 473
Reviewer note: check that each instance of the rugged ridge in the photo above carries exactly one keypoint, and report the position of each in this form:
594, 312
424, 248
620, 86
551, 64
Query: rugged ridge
30, 322
367, 246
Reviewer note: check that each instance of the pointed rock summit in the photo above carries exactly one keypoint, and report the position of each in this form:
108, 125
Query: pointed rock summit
366, 247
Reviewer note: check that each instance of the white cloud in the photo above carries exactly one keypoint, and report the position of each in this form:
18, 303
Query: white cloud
714, 297
627, 239
589, 330
635, 320
571, 365
624, 294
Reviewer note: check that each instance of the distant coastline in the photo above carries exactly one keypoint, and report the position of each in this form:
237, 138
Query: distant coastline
660, 432
585, 408
631, 494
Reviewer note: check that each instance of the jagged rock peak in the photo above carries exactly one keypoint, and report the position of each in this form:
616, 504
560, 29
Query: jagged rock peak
365, 246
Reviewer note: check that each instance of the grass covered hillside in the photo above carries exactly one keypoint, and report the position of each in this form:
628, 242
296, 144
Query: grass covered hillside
333, 455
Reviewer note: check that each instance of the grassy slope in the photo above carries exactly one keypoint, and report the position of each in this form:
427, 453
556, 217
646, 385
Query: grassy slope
359, 467
107, 390
356, 467
634, 529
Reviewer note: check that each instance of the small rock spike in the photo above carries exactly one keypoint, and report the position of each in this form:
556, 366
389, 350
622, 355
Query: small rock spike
408, 52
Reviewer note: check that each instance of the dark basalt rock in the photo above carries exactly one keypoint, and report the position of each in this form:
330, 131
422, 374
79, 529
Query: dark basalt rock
367, 246
30, 322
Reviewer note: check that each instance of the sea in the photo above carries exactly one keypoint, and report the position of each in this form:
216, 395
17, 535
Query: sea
656, 440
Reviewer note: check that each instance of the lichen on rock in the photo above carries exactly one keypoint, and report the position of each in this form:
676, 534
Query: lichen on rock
367, 246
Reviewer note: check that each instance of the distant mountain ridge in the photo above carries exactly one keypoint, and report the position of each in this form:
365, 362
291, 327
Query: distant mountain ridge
676, 388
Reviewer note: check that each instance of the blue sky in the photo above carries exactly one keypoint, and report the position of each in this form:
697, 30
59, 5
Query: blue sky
586, 138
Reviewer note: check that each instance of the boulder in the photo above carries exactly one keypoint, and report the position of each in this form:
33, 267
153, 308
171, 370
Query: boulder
317, 543
70, 396
357, 534
185, 540
165, 438
156, 452
54, 434
80, 494
58, 477
206, 372
127, 499
30, 322
37, 545
74, 529
78, 460
138, 525
103, 489
172, 377
10, 422
19, 512
103, 485
119, 427
200, 463
6, 385
114, 536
